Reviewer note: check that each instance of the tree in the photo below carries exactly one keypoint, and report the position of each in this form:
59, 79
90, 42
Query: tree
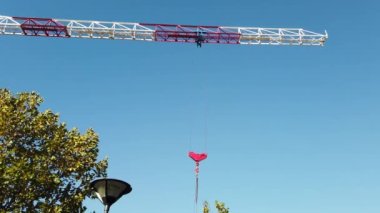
220, 206
206, 208
44, 166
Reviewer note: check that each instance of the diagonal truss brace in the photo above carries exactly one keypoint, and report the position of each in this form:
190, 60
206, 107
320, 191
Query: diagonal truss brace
278, 36
108, 30
9, 26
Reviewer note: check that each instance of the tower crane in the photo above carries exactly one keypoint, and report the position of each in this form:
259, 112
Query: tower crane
64, 28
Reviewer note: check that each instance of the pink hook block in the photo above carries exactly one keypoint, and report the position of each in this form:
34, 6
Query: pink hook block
197, 157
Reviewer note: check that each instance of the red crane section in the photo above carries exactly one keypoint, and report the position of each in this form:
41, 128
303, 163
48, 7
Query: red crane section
193, 34
42, 27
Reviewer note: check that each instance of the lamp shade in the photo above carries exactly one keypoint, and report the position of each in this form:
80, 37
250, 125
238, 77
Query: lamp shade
110, 190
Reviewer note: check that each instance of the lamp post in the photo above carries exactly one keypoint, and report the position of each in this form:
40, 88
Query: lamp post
109, 191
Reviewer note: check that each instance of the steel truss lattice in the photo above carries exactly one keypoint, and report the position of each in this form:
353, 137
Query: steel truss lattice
49, 27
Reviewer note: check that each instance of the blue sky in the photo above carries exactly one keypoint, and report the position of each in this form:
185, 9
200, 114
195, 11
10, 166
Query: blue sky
289, 129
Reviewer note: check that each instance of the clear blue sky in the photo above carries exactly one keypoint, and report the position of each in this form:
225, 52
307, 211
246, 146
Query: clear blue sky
290, 129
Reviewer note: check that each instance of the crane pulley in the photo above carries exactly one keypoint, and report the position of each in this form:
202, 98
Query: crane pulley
49, 27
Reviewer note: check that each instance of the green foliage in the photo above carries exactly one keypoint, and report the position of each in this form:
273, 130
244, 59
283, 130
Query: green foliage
44, 166
220, 206
206, 208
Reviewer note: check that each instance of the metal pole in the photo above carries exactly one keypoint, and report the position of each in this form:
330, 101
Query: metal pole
106, 208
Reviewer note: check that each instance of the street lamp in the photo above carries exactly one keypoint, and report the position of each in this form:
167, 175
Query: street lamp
109, 191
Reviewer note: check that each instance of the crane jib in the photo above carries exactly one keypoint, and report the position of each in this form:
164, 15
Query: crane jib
198, 34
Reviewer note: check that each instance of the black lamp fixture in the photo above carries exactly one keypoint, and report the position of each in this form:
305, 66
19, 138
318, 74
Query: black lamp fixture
109, 191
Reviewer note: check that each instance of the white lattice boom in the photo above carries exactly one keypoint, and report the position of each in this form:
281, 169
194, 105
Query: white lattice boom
158, 32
